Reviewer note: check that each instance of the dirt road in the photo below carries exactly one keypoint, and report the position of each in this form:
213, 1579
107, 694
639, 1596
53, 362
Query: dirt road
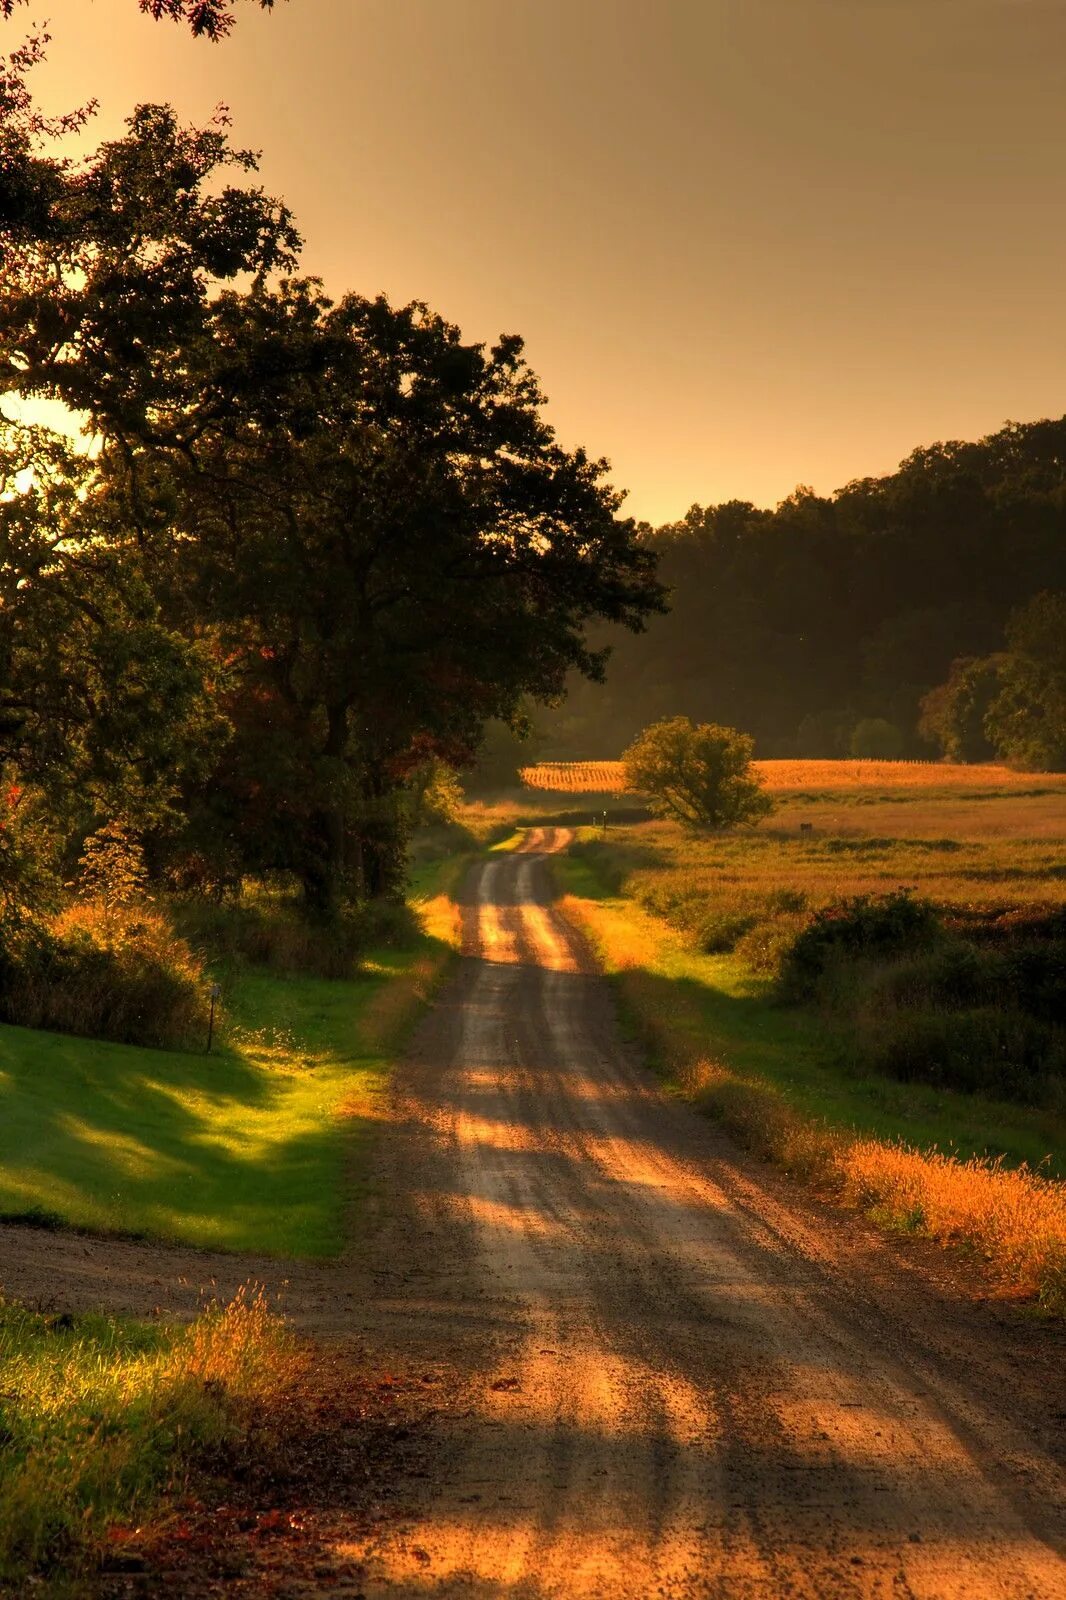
652, 1367
682, 1389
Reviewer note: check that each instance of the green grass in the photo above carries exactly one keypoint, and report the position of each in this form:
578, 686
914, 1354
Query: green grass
510, 842
714, 1005
245, 1149
100, 1416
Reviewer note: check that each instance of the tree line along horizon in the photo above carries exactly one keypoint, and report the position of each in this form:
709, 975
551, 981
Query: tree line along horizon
321, 546
917, 615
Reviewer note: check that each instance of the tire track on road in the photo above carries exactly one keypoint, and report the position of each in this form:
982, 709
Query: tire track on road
689, 1398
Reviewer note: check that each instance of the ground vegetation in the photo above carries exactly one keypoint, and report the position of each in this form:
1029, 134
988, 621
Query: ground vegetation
875, 1002
103, 1417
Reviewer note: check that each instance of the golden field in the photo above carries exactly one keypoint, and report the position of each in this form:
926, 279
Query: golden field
606, 777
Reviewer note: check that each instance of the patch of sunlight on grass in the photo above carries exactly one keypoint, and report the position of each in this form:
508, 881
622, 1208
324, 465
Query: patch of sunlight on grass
100, 1416
512, 841
261, 1146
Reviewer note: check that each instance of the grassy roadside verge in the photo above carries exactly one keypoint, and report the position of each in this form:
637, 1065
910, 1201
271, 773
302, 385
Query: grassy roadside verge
101, 1417
110, 1427
245, 1149
771, 1076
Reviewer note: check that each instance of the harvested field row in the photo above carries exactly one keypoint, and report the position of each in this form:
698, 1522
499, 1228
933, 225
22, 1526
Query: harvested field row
606, 777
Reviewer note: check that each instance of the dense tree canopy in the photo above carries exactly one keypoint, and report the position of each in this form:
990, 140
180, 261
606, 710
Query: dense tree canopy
1026, 721
334, 532
1012, 704
800, 623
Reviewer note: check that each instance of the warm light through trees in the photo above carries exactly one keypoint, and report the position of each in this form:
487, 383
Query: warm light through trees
337, 539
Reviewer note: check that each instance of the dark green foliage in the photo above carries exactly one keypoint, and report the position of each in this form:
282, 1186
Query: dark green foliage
720, 932
137, 991
378, 599
876, 738
1030, 977
800, 622
953, 714
1011, 705
270, 932
825, 735
322, 544
930, 1005
503, 751
866, 928
30, 851
1005, 1055
1027, 720
102, 703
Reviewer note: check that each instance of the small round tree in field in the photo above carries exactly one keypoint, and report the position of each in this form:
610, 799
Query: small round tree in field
699, 774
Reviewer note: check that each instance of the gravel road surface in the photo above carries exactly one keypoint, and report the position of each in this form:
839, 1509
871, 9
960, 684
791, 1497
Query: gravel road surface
654, 1366
685, 1387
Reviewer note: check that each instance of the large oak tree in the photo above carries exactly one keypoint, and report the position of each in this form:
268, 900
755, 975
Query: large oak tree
367, 520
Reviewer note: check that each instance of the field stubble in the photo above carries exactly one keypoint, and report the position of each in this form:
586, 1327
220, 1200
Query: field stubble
819, 778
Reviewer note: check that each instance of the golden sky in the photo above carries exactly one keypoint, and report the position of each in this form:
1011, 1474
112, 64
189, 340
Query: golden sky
749, 243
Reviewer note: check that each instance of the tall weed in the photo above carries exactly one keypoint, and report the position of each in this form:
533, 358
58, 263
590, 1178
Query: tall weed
99, 1417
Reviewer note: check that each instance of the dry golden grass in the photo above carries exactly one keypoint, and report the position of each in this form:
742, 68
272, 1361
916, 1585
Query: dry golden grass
774, 877
959, 814
1013, 1218
782, 777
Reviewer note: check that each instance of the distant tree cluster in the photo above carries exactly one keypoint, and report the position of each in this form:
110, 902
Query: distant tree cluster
823, 625
317, 545
1010, 705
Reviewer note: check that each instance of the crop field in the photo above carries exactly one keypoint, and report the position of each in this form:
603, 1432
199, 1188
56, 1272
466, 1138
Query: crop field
605, 777
575, 777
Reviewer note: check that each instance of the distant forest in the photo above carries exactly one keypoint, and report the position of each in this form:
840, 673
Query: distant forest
802, 623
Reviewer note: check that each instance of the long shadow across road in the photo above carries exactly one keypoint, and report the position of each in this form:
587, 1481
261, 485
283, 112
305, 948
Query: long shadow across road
684, 1394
